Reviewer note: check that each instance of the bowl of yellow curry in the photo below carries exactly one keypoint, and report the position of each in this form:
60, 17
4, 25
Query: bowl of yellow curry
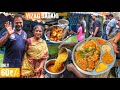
56, 67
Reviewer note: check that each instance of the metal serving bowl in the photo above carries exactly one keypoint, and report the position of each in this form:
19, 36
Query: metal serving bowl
63, 21
51, 61
51, 74
47, 33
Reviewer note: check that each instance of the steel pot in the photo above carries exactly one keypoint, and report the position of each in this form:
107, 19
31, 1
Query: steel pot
51, 74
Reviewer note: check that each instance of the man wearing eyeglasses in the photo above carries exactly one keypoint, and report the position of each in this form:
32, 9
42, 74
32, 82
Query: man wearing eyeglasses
14, 41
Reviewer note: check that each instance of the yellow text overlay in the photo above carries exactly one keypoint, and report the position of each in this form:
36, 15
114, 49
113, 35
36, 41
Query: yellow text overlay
9, 72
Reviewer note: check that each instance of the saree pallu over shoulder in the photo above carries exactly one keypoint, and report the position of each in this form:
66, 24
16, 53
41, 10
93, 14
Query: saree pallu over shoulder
37, 51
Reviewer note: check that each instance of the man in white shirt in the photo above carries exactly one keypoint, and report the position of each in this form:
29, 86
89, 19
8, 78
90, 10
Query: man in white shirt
84, 24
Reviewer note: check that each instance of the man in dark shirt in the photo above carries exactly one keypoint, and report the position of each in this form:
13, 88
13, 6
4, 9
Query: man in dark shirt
14, 41
97, 26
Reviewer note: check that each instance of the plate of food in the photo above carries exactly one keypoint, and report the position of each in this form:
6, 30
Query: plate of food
94, 56
56, 33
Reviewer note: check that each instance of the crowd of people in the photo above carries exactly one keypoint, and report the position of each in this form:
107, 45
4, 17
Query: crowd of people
95, 27
30, 54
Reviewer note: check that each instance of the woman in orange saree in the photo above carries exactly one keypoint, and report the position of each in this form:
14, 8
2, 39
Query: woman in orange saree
35, 56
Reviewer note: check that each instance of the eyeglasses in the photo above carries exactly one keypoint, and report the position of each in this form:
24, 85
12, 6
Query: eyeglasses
18, 22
